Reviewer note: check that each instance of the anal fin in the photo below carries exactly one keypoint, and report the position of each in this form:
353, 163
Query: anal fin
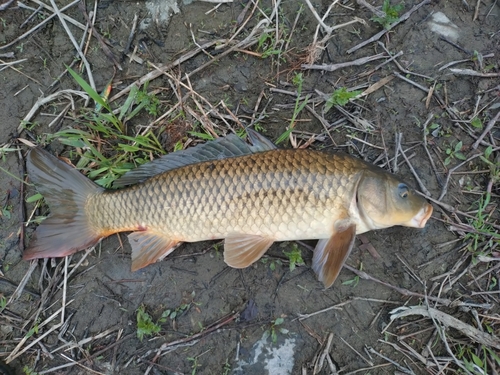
241, 250
148, 247
330, 254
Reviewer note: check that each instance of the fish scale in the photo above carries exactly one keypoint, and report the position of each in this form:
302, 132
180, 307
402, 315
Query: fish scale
283, 193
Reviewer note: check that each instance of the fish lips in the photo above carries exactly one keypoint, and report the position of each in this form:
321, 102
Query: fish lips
420, 219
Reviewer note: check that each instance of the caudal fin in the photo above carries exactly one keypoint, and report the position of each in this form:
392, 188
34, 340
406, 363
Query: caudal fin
66, 192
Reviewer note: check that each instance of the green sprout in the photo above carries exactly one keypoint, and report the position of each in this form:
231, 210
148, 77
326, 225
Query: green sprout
391, 14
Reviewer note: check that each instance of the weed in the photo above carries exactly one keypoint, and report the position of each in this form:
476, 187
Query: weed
275, 329
33, 330
391, 14
494, 167
353, 282
145, 324
298, 81
272, 263
294, 257
6, 211
259, 128
454, 152
174, 313
3, 303
194, 364
29, 371
340, 97
105, 134
477, 123
476, 360
266, 44
227, 368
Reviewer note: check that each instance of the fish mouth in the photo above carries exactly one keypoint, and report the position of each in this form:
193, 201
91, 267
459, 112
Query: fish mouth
420, 219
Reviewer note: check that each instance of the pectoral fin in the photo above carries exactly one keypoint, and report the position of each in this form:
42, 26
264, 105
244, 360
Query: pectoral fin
148, 247
241, 250
330, 254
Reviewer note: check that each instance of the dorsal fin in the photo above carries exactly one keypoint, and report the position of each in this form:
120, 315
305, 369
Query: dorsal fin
220, 148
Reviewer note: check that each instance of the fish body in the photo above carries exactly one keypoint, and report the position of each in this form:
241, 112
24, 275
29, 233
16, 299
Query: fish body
251, 200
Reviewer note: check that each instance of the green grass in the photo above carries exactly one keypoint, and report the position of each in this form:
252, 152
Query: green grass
298, 81
145, 324
294, 257
340, 97
104, 147
391, 14
275, 329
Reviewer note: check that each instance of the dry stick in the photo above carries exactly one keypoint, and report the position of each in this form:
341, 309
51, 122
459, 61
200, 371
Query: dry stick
370, 363
319, 363
211, 328
163, 68
320, 20
366, 369
66, 17
88, 25
130, 37
402, 291
417, 355
334, 307
486, 130
6, 5
31, 16
9, 65
42, 101
405, 71
420, 183
17, 293
75, 44
88, 369
450, 172
401, 368
397, 140
371, 8
377, 36
17, 352
104, 46
321, 119
46, 20
192, 92
424, 127
242, 26
470, 72
333, 67
72, 344
476, 12
245, 43
448, 321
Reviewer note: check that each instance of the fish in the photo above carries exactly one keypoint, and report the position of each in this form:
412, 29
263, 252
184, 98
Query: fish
247, 192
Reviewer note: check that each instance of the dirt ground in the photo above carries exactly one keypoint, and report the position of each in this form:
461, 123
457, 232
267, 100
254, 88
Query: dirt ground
96, 333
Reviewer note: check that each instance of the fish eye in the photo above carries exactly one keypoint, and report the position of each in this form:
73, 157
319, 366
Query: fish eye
403, 190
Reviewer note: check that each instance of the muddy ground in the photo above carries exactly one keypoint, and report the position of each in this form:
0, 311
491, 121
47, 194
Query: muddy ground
103, 295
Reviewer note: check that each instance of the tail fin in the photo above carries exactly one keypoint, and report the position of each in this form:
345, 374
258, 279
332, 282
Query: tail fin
66, 191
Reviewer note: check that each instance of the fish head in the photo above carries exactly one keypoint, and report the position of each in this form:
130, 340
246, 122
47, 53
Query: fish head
384, 200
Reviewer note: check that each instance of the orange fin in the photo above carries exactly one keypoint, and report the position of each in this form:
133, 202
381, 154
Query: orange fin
330, 254
66, 191
148, 247
241, 250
